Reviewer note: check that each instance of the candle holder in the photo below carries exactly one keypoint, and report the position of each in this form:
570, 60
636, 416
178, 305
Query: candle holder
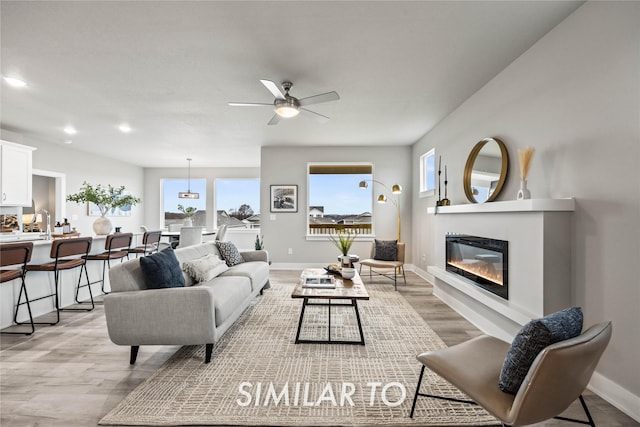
445, 201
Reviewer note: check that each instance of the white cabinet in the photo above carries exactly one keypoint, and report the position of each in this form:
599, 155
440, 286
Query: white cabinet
15, 174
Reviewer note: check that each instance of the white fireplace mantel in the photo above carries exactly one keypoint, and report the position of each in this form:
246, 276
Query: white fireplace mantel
529, 205
540, 280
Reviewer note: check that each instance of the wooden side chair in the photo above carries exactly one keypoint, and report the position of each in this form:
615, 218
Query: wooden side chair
17, 254
67, 254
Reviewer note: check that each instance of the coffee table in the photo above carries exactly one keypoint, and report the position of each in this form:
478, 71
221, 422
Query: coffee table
352, 290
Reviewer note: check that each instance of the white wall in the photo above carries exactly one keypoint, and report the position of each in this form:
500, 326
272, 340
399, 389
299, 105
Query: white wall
575, 97
288, 165
80, 166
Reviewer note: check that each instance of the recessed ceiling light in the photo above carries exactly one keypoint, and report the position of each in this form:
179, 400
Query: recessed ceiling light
15, 82
124, 128
70, 130
68, 141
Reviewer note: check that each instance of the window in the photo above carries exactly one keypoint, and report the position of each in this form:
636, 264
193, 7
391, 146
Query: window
335, 201
428, 173
170, 201
238, 203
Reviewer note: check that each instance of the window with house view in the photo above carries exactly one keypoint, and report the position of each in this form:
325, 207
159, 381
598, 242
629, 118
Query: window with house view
238, 203
335, 200
171, 203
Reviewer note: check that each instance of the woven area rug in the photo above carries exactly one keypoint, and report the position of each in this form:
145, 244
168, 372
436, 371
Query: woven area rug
259, 377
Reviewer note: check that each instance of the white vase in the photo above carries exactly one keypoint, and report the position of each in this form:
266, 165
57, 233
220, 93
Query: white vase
524, 192
346, 261
188, 222
102, 226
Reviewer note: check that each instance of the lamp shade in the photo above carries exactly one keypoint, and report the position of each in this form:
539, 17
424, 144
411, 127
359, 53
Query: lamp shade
382, 198
396, 189
362, 185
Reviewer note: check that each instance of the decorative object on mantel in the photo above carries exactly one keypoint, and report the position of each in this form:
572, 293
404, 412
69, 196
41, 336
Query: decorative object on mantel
445, 201
486, 170
439, 201
188, 213
525, 156
343, 242
106, 199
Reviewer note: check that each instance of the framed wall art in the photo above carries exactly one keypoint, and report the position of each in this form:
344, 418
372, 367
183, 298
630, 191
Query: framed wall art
284, 198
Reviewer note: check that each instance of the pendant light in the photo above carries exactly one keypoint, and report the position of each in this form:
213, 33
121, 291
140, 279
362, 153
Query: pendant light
189, 194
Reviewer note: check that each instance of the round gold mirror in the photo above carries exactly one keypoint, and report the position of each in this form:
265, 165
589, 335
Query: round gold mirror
486, 170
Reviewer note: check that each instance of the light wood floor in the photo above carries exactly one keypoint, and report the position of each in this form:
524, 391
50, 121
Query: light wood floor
72, 375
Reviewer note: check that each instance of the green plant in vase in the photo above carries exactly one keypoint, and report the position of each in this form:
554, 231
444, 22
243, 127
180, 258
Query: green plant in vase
343, 242
106, 199
259, 244
188, 213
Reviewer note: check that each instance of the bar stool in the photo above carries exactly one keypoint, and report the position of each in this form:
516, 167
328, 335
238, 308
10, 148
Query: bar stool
14, 254
116, 247
150, 241
61, 251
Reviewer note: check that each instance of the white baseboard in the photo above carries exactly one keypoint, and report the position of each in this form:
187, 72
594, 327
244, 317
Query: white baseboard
617, 396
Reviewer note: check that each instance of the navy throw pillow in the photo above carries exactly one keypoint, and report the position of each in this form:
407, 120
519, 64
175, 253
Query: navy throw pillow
532, 339
162, 270
386, 250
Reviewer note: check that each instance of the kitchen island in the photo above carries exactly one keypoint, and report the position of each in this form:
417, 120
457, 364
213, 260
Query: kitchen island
40, 283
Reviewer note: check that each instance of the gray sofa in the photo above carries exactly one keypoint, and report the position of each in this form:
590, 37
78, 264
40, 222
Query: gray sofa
198, 313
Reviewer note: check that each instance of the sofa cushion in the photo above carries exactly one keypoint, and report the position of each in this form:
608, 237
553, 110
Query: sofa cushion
386, 250
256, 271
161, 270
230, 253
229, 293
204, 268
532, 339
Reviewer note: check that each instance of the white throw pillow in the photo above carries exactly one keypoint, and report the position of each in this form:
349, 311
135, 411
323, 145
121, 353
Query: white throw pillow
205, 268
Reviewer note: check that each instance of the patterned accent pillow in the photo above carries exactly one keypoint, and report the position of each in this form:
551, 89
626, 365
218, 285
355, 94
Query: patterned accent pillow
532, 339
229, 253
386, 250
162, 270
205, 268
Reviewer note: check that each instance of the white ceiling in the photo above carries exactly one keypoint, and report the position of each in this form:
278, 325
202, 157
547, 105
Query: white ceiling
168, 68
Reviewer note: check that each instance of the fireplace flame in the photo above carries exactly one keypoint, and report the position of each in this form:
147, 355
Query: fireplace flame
479, 268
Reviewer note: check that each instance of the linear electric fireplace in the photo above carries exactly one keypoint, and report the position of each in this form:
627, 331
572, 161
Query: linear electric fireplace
482, 260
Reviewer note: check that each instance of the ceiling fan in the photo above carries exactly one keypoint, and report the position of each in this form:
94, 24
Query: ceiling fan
287, 106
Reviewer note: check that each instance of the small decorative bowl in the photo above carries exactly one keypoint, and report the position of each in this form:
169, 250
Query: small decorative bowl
348, 273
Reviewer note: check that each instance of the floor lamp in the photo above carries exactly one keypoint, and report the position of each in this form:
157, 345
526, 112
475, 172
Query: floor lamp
396, 189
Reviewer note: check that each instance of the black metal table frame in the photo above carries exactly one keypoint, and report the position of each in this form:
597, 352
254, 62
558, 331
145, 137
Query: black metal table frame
305, 303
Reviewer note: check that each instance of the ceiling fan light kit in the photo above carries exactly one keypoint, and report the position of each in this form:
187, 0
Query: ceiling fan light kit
287, 106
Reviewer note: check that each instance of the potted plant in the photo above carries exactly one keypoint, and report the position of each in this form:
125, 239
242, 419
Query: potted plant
259, 243
188, 213
107, 199
343, 242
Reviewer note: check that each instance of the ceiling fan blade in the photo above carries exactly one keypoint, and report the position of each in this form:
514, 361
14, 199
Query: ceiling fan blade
249, 104
316, 116
274, 120
317, 99
273, 88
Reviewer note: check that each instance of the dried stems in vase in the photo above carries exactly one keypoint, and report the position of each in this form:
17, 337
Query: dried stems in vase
525, 156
